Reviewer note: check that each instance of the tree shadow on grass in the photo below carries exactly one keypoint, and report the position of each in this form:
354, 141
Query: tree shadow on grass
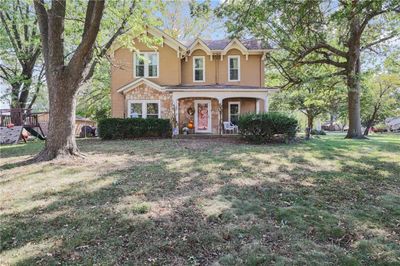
273, 220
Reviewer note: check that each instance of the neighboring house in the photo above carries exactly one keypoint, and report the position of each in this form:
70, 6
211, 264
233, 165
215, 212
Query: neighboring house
393, 123
205, 82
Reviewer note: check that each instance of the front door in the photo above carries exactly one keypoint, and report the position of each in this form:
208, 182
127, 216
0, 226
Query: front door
202, 116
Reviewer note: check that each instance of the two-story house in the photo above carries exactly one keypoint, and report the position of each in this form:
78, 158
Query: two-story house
204, 83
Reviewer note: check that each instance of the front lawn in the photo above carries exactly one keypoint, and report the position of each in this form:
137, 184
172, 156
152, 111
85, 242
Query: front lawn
199, 202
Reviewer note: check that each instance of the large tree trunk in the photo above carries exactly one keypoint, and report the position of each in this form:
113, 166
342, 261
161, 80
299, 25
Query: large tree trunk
371, 120
366, 131
64, 80
310, 124
353, 80
354, 109
61, 130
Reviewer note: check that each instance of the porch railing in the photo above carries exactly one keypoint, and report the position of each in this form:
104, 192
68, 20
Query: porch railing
18, 117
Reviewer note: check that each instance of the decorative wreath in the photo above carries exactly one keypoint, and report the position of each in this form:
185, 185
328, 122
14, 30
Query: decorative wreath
190, 111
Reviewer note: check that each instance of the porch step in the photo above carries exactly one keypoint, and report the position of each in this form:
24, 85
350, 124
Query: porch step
206, 136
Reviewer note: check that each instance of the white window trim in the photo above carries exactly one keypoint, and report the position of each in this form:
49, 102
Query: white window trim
146, 64
229, 68
204, 68
144, 107
229, 109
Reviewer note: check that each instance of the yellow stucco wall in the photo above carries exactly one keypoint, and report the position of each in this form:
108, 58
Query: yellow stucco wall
122, 72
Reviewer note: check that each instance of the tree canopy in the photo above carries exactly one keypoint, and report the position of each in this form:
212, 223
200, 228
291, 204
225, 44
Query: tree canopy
20, 63
325, 33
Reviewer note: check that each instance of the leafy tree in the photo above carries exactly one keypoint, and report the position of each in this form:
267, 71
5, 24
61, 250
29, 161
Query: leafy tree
20, 63
380, 98
312, 99
177, 23
72, 61
94, 98
326, 33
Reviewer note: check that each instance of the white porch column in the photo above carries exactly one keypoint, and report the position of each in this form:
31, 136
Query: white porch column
220, 106
175, 105
266, 104
257, 106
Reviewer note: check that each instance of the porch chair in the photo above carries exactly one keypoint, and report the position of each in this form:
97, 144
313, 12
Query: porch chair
229, 127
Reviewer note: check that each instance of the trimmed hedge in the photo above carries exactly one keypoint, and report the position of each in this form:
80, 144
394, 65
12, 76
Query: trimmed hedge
129, 128
261, 128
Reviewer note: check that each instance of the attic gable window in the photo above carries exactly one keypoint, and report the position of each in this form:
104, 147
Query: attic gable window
198, 69
146, 65
234, 68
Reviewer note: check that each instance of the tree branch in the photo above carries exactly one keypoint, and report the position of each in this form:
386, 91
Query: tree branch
367, 46
38, 86
56, 16
8, 31
323, 46
104, 49
42, 16
14, 28
83, 53
371, 15
324, 61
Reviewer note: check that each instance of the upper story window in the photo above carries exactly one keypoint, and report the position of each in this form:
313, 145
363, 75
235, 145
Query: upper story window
146, 64
198, 69
234, 68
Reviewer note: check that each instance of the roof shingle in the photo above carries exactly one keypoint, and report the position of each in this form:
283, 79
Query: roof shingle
251, 44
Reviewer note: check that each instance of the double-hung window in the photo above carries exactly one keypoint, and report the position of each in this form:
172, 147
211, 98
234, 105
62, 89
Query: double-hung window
144, 109
146, 64
234, 112
234, 68
198, 69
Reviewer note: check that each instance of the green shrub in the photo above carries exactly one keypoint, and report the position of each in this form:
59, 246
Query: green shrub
260, 128
380, 128
128, 128
317, 132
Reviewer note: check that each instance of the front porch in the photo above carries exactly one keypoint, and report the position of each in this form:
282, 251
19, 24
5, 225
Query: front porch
195, 109
214, 116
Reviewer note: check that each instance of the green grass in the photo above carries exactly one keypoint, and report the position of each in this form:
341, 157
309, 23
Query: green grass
329, 201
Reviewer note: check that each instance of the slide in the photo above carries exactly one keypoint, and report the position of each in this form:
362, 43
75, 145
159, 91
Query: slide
35, 133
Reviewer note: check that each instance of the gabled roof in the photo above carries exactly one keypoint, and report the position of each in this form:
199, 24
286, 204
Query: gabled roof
235, 44
219, 45
136, 83
250, 44
199, 43
166, 38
